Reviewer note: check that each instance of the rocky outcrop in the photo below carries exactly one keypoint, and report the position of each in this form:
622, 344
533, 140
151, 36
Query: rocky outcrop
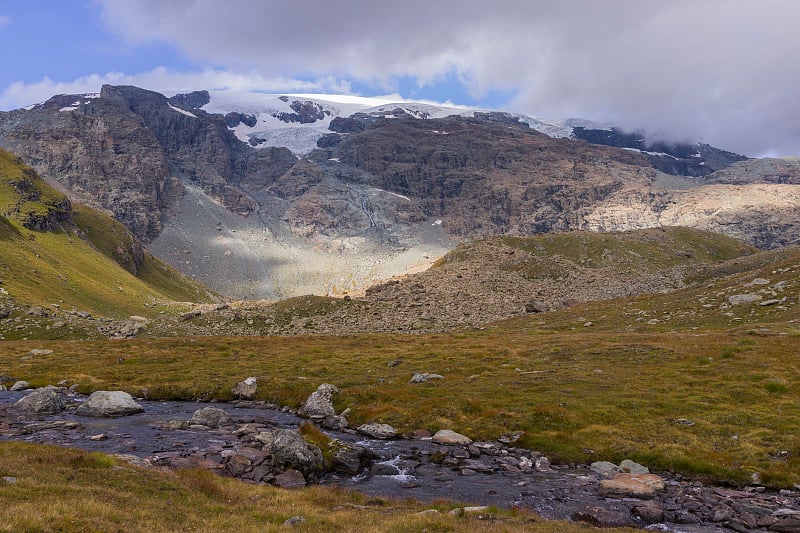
305, 112
679, 159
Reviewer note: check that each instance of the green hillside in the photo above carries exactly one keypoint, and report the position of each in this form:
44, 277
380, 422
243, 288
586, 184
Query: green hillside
85, 260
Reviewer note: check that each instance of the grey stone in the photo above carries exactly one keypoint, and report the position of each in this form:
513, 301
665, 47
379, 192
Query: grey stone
347, 459
213, 417
633, 467
45, 400
109, 404
245, 390
377, 431
290, 450
320, 404
20, 385
447, 436
738, 299
423, 377
336, 422
8, 480
37, 351
604, 468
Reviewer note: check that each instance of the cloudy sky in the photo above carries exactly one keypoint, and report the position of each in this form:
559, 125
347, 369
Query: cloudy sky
725, 72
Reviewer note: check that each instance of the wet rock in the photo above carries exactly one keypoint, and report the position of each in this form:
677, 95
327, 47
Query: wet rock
109, 404
238, 465
20, 385
245, 390
423, 377
478, 466
320, 404
446, 436
45, 400
625, 485
335, 422
290, 450
212, 417
384, 469
789, 524
650, 512
377, 431
290, 479
174, 424
347, 460
600, 517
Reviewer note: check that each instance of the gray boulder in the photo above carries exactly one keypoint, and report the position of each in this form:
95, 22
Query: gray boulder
213, 417
320, 404
20, 385
290, 450
245, 390
109, 404
45, 400
377, 431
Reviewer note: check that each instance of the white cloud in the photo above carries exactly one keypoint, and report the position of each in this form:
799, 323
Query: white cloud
165, 81
721, 70
4, 21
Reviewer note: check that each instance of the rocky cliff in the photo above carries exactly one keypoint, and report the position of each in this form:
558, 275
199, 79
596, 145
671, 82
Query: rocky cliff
387, 190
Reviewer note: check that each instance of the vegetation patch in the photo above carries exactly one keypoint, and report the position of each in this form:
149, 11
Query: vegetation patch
69, 490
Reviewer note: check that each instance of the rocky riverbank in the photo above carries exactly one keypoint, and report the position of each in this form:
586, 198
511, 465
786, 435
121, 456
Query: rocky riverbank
257, 442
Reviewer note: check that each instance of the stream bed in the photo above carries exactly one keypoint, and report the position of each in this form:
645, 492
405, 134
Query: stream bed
482, 474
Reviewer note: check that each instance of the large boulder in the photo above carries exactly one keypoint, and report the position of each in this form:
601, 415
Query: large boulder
377, 431
245, 390
109, 404
320, 404
213, 417
47, 400
290, 450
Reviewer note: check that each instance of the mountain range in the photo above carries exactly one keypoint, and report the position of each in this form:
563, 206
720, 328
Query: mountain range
272, 196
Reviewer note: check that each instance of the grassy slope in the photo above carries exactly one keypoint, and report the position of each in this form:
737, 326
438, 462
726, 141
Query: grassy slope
45, 268
71, 491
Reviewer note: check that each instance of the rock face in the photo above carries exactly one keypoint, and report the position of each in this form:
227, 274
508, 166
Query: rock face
47, 400
109, 404
320, 404
395, 192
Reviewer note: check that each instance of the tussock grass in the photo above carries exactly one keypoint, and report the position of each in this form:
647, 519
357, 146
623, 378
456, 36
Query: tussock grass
69, 490
680, 401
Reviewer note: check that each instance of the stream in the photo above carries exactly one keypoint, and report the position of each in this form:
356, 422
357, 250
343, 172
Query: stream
418, 468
